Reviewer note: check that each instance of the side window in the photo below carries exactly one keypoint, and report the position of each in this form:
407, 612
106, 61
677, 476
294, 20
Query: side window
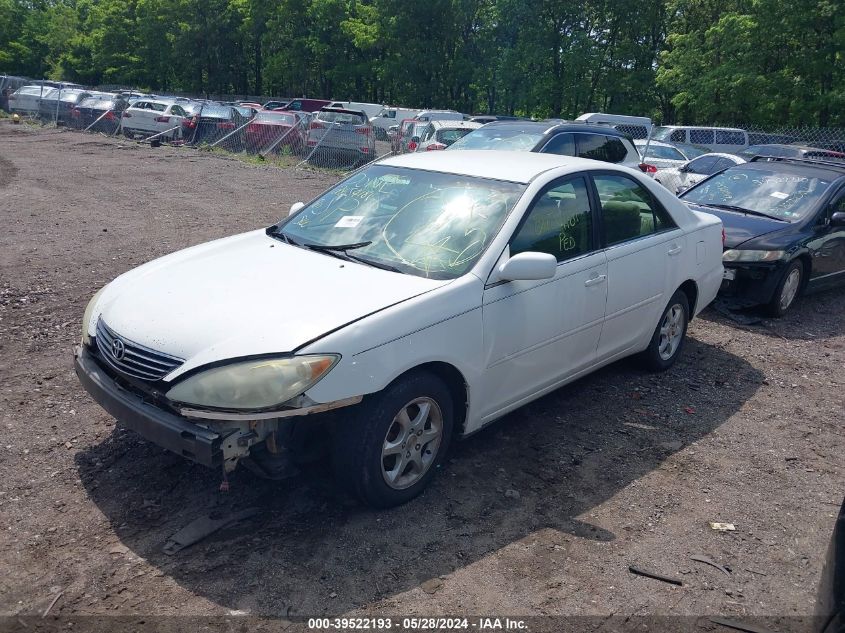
177, 111
678, 136
703, 165
599, 147
730, 137
628, 210
558, 222
701, 136
722, 163
391, 114
562, 144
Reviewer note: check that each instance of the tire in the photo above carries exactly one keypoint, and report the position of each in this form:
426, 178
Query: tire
788, 289
669, 335
380, 479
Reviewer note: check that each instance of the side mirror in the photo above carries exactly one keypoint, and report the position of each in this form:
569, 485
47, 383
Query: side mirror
837, 219
528, 266
684, 168
296, 206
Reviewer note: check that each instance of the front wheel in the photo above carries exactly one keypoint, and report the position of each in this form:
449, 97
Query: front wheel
390, 450
668, 338
787, 289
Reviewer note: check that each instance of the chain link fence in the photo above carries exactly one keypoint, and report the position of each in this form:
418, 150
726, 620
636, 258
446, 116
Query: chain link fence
340, 139
684, 156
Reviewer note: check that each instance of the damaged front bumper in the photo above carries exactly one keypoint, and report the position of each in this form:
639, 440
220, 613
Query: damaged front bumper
224, 440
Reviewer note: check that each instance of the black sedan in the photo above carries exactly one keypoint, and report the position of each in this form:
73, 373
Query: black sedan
784, 222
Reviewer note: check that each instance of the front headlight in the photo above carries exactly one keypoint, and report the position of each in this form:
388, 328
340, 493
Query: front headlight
742, 255
86, 316
255, 384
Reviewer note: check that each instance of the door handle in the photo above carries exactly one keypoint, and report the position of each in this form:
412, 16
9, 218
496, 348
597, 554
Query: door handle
675, 250
594, 281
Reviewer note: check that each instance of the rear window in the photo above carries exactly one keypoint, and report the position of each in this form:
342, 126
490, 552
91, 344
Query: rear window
97, 104
504, 137
276, 117
662, 151
216, 111
341, 117
447, 137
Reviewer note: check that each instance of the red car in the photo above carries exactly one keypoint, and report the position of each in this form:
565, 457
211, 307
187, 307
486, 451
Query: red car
275, 131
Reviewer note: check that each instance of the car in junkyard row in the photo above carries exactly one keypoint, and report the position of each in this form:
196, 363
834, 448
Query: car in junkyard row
435, 292
785, 228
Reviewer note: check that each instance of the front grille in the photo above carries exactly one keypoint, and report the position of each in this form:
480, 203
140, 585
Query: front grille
137, 361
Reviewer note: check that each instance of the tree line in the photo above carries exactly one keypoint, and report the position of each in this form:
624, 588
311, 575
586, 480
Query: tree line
762, 62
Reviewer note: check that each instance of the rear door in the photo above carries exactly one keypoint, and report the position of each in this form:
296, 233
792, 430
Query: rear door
642, 247
828, 247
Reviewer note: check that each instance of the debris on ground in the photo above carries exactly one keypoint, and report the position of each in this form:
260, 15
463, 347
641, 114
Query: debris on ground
650, 574
202, 527
722, 527
703, 559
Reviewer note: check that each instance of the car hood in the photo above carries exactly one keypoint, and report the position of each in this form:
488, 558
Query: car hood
245, 295
739, 227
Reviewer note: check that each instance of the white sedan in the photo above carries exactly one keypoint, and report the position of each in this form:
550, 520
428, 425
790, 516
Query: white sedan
150, 117
679, 179
418, 300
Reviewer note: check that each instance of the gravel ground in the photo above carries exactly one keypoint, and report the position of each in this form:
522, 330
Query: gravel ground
540, 514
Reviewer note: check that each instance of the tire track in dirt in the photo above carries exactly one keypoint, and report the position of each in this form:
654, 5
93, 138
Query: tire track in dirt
8, 171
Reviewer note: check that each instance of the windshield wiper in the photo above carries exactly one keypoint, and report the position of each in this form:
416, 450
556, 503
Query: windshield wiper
371, 262
731, 207
342, 248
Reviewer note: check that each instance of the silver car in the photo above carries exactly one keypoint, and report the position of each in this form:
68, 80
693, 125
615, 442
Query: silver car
337, 135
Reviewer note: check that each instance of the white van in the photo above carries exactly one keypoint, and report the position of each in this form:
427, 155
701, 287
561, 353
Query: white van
370, 109
728, 140
390, 116
636, 126
439, 115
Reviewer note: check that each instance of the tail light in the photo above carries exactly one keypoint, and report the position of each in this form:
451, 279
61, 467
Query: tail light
162, 119
190, 123
316, 125
435, 146
75, 113
648, 169
109, 116
412, 146
365, 150
366, 131
225, 125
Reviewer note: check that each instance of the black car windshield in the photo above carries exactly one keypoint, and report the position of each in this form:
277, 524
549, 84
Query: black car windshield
420, 222
502, 137
784, 195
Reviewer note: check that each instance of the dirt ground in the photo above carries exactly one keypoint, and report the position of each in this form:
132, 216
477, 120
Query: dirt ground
540, 514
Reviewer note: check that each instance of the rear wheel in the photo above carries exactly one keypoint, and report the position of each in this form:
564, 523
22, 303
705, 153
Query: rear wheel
787, 290
390, 450
667, 341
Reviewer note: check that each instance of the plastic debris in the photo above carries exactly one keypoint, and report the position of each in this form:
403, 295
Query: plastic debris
650, 574
722, 527
198, 529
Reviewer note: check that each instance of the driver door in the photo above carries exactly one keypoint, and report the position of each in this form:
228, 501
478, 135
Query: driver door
538, 333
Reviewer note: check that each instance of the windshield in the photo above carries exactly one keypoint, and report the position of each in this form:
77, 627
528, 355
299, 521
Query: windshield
787, 196
419, 222
660, 151
504, 137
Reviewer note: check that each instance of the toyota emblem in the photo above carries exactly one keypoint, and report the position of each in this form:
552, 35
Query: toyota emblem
118, 349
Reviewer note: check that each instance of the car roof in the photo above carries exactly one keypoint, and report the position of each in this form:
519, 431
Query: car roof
495, 164
550, 126
643, 141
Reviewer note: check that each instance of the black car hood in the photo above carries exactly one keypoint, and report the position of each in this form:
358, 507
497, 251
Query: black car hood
739, 227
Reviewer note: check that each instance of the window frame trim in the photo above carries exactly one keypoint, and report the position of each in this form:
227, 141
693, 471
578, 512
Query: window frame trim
595, 246
600, 211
